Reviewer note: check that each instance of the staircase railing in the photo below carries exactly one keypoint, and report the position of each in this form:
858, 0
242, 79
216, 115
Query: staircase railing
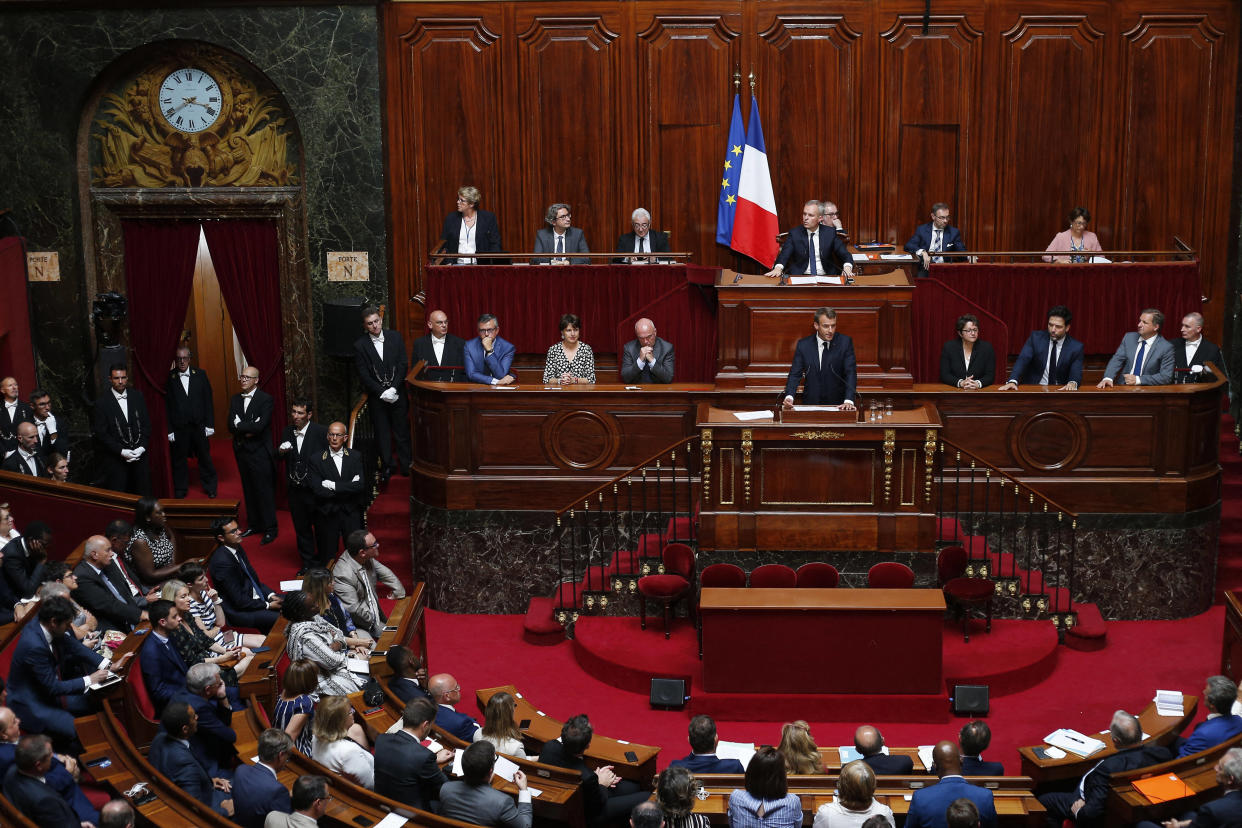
1025, 542
614, 534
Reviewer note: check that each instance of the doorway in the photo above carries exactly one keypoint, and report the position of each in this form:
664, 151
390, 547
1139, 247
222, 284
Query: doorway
212, 338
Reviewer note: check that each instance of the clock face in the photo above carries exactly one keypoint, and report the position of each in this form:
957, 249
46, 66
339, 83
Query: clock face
190, 100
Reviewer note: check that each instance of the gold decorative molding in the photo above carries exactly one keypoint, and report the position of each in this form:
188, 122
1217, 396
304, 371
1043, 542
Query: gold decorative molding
705, 449
929, 463
748, 446
818, 435
890, 442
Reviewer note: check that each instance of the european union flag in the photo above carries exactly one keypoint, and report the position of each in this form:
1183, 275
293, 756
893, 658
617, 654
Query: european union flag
729, 177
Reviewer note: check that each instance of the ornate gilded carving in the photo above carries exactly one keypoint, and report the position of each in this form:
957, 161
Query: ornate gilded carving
705, 449
929, 462
747, 448
890, 442
251, 142
818, 435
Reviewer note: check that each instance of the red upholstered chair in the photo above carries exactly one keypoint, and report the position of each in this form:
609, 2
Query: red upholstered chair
675, 584
890, 575
818, 575
960, 592
773, 576
137, 694
720, 575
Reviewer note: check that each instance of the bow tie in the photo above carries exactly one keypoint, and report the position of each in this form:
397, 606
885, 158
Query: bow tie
186, 375
119, 396
379, 338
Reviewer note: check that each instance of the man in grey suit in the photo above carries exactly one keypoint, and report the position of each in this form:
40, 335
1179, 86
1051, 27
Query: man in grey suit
473, 799
1144, 355
560, 238
647, 358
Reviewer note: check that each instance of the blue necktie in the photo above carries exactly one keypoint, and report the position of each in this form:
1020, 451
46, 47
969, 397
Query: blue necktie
254, 582
1138, 360
560, 244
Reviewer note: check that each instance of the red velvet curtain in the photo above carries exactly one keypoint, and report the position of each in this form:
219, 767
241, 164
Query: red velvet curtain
246, 257
16, 345
686, 317
159, 277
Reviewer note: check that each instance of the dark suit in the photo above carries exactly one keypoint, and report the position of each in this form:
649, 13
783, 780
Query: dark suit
1029, 367
951, 239
1225, 812
795, 253
454, 359
252, 446
185, 770
1211, 733
482, 367
827, 384
46, 444
38, 801
22, 413
406, 771
298, 486
44, 701
575, 242
975, 766
600, 804
928, 805
1205, 353
114, 613
116, 432
256, 793
708, 763
391, 420
17, 464
188, 416
163, 671
22, 568
456, 723
890, 765
406, 690
58, 779
215, 733
236, 581
486, 234
337, 511
483, 805
1157, 367
1095, 784
657, 242
660, 370
953, 363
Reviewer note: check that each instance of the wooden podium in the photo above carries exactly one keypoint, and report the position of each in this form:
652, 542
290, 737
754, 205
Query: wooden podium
818, 481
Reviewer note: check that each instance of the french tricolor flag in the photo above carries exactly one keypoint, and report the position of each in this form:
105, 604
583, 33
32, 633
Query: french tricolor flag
754, 222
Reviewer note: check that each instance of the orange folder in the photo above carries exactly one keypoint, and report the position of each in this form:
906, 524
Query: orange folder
1163, 788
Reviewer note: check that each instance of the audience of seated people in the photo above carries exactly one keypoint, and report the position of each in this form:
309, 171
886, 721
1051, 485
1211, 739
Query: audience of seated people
605, 796
799, 748
929, 805
765, 801
855, 802
1221, 724
332, 746
406, 770
500, 727
703, 741
675, 793
473, 799
257, 789
446, 693
172, 754
869, 743
409, 674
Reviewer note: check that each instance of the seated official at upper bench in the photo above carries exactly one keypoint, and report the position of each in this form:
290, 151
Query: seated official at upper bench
813, 248
560, 238
647, 358
1049, 357
642, 240
1077, 239
1144, 355
570, 360
826, 358
488, 358
934, 237
967, 362
471, 230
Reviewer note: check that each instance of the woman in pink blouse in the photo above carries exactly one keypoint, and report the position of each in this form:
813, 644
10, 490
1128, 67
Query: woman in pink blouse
1077, 240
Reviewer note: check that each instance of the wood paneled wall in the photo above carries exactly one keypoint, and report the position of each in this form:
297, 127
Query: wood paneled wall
1013, 111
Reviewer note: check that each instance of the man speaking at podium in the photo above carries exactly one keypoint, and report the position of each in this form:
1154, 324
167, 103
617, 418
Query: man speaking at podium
826, 359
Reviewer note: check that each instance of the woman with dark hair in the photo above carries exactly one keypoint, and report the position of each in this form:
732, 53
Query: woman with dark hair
499, 727
295, 709
967, 362
151, 551
675, 793
1077, 240
855, 802
471, 230
309, 636
766, 801
57, 467
207, 609
321, 594
570, 360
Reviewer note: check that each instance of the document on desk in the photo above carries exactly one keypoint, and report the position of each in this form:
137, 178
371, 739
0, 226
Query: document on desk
925, 756
741, 751
896, 257
392, 821
817, 408
358, 665
1074, 742
457, 771
849, 753
505, 768
753, 415
290, 586
1170, 703
816, 280
862, 257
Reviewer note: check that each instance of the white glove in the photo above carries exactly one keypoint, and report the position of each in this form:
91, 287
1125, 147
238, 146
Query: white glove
138, 452
389, 395
128, 454
329, 485
172, 438
236, 419
286, 445
209, 432
356, 479
1196, 369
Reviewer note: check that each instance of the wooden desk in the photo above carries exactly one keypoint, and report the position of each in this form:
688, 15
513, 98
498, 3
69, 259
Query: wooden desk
1127, 804
1160, 729
759, 321
896, 635
806, 486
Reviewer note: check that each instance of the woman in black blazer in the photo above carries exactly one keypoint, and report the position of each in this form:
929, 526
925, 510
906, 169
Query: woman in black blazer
471, 230
966, 362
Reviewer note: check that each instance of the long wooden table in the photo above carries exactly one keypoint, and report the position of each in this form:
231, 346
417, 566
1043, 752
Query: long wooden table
895, 635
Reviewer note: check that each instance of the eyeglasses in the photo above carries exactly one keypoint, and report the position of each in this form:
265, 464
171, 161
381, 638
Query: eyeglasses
247, 377
492, 329
564, 215
372, 546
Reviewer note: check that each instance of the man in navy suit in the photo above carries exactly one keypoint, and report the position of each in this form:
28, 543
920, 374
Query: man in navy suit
191, 421
248, 602
1193, 351
250, 423
404, 769
605, 796
26, 786
24, 557
489, 358
380, 358
172, 756
446, 693
302, 441
1219, 813
1145, 357
1085, 805
929, 804
339, 482
59, 776
642, 240
1049, 357
826, 359
934, 237
45, 651
1221, 724
813, 248
444, 353
256, 789
206, 693
123, 429
409, 674
869, 743
974, 738
703, 742
163, 669
560, 238
102, 588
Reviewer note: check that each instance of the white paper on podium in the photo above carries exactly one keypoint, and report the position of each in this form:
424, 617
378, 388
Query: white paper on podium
817, 408
801, 280
753, 415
